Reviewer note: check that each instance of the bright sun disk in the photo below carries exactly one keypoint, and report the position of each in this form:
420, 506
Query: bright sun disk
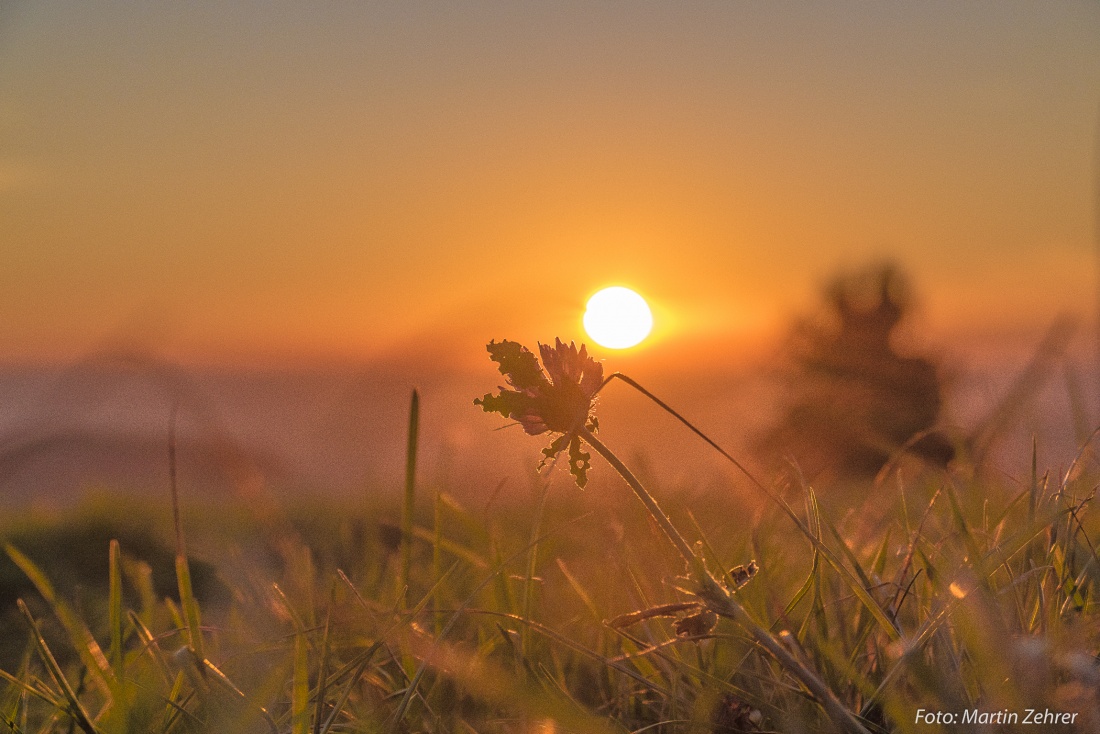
617, 318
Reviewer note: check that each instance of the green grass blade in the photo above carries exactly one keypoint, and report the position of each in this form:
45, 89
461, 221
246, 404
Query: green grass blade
322, 669
856, 581
75, 709
140, 576
437, 558
349, 686
579, 590
115, 608
173, 711
809, 583
410, 493
189, 604
176, 615
532, 566
16, 698
1033, 495
35, 691
299, 700
878, 563
91, 654
455, 549
149, 643
210, 673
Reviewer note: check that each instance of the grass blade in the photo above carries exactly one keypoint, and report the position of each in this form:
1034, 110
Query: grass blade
579, 590
115, 608
74, 708
91, 654
410, 493
35, 691
437, 557
299, 700
532, 566
322, 669
183, 570
149, 643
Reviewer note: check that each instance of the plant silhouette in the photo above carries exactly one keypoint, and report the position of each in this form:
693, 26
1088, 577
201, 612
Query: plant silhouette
854, 401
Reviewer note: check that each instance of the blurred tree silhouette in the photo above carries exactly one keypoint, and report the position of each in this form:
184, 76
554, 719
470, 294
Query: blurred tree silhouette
853, 400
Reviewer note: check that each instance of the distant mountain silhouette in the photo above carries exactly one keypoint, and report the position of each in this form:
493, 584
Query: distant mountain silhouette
54, 466
103, 423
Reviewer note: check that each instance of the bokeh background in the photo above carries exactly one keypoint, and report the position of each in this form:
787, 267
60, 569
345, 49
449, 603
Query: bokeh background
284, 217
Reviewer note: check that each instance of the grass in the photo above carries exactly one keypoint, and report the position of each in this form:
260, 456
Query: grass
927, 590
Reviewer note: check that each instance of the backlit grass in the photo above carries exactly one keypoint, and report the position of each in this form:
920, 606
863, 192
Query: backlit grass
553, 609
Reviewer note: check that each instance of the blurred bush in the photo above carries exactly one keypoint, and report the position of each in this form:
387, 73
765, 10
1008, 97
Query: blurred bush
853, 399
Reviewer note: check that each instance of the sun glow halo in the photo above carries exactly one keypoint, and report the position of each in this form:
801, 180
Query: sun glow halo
617, 318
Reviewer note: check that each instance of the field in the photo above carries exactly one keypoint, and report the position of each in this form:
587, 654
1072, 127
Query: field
541, 368
911, 601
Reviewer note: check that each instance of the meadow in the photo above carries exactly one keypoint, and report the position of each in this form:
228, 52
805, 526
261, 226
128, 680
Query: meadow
925, 598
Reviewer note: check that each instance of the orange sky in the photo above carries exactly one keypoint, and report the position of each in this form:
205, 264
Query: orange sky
282, 181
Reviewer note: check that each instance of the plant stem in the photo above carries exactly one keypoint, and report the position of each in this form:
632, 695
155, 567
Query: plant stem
647, 499
183, 569
410, 495
719, 600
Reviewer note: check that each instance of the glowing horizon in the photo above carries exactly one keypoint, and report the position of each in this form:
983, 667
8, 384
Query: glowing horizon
363, 181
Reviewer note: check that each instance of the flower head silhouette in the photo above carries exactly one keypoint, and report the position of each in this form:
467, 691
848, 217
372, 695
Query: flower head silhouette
558, 399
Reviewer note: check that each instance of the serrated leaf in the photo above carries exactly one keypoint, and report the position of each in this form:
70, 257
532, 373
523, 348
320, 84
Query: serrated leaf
553, 450
518, 364
578, 461
508, 403
578, 457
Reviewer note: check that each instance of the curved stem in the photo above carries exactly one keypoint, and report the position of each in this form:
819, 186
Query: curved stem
691, 426
647, 499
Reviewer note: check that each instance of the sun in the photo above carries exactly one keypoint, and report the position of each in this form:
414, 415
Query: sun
617, 318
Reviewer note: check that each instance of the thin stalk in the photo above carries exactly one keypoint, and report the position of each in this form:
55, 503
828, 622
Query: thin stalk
675, 414
74, 709
719, 600
183, 570
532, 566
1096, 232
322, 672
299, 696
114, 607
410, 493
437, 558
647, 499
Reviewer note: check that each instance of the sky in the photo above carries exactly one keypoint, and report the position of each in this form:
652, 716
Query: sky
266, 181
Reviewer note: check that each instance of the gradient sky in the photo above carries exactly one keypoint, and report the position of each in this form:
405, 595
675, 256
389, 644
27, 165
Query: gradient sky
268, 180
